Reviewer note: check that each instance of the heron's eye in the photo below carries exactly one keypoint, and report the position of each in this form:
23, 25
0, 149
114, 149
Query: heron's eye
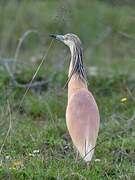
66, 38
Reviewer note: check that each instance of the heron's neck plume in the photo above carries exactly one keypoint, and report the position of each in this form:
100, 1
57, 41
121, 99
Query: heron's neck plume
76, 75
76, 64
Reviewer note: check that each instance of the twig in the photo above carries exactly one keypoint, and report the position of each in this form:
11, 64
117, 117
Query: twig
10, 61
90, 151
44, 57
27, 85
19, 46
126, 35
102, 36
6, 65
72, 174
33, 85
9, 129
131, 119
130, 94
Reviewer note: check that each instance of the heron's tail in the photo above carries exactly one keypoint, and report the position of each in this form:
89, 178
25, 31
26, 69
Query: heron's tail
87, 152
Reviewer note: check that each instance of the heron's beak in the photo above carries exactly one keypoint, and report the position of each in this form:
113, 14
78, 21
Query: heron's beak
58, 37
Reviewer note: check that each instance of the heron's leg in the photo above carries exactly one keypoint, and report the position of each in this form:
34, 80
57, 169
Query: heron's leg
77, 156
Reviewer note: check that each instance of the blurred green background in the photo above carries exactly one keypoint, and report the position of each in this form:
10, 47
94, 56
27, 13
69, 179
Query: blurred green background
90, 20
107, 31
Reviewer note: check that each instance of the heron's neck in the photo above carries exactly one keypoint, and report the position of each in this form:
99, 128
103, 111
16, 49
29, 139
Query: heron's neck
76, 63
76, 74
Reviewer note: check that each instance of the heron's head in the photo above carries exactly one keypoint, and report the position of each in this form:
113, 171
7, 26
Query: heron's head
71, 40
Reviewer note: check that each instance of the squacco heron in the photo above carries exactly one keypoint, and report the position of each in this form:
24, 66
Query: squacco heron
82, 114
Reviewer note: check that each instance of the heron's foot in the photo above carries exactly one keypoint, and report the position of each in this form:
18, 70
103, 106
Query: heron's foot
89, 165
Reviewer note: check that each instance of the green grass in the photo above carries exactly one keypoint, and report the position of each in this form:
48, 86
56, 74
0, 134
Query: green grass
38, 145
